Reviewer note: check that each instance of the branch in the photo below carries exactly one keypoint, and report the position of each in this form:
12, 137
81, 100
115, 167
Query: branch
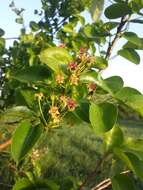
5, 145
117, 36
107, 182
94, 173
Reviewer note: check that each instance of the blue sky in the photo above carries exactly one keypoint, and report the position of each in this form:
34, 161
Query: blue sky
131, 74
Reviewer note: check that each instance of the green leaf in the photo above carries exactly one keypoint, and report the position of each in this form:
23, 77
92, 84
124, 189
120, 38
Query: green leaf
112, 84
134, 146
34, 26
137, 165
2, 32
54, 57
102, 117
133, 38
24, 138
130, 45
117, 10
100, 63
110, 25
123, 182
90, 76
137, 21
26, 96
25, 184
96, 9
131, 161
2, 44
82, 111
19, 20
132, 98
15, 115
32, 74
130, 54
113, 138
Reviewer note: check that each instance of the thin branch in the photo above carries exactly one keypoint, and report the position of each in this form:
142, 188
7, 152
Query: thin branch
5, 145
107, 182
94, 173
117, 36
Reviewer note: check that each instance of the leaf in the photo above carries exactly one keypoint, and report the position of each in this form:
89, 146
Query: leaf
15, 115
2, 32
102, 117
132, 98
90, 76
96, 9
100, 63
133, 38
137, 165
110, 25
32, 74
137, 21
24, 138
117, 10
34, 26
134, 146
112, 84
82, 111
19, 20
130, 54
25, 184
130, 45
123, 182
131, 161
27, 97
113, 138
54, 57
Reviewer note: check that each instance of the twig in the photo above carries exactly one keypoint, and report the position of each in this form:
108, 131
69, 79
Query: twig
117, 36
94, 173
107, 182
5, 145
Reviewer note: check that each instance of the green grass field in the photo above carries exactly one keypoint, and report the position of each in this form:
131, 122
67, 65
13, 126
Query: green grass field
74, 151
70, 151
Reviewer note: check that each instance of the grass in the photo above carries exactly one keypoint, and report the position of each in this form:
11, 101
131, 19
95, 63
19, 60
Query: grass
74, 151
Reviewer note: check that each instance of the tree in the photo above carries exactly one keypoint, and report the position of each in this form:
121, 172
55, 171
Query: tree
44, 82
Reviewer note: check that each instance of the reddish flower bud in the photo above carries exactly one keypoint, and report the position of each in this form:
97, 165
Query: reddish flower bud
91, 87
62, 46
71, 104
83, 50
72, 66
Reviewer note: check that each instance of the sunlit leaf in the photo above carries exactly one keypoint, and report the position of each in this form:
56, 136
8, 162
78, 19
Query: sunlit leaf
102, 117
54, 57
